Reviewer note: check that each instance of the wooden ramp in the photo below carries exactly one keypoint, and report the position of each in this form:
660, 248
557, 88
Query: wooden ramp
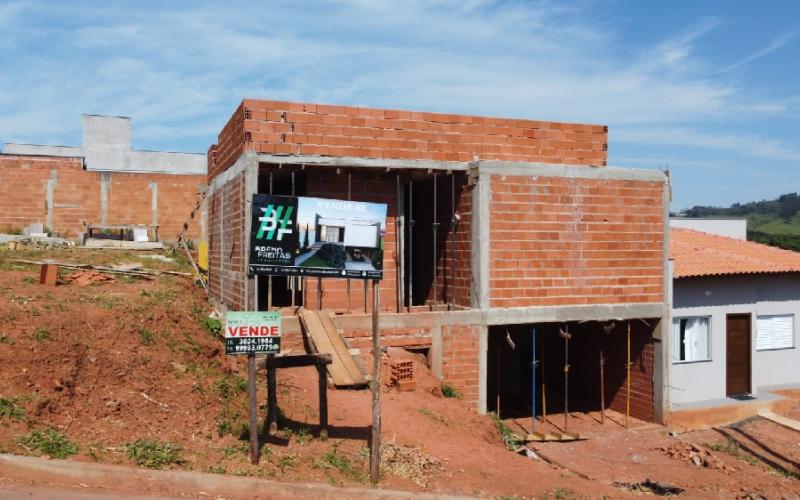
325, 338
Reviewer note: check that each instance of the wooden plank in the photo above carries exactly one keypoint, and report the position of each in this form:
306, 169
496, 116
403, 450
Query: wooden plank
341, 349
299, 360
315, 330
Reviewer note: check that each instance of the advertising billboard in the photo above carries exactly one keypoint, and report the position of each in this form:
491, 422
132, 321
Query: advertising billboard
304, 236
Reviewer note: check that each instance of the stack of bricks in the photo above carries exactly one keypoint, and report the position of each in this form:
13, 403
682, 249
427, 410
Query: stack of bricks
402, 374
291, 128
562, 241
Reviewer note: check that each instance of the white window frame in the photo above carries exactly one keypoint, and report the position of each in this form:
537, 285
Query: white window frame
675, 337
781, 348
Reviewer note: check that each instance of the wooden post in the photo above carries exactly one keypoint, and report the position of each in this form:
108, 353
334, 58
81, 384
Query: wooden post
252, 407
602, 384
323, 401
272, 397
375, 442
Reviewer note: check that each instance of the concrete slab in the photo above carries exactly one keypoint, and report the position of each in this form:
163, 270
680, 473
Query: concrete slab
719, 412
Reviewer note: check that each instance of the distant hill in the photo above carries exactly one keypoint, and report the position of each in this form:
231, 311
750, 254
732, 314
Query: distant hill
774, 222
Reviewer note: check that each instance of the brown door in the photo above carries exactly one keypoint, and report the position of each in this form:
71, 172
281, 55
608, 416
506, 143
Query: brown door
738, 354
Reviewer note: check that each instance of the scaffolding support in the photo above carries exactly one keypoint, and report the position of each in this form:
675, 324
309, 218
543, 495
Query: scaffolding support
534, 363
269, 278
566, 335
411, 223
399, 243
453, 222
628, 380
349, 194
435, 228
602, 383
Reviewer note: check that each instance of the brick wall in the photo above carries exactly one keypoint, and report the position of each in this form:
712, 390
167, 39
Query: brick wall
227, 250
323, 130
76, 196
562, 241
460, 360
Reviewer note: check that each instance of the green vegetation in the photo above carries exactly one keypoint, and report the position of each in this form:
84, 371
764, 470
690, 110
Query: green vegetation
433, 416
146, 337
506, 434
153, 454
287, 461
49, 442
10, 409
5, 339
41, 334
731, 447
301, 435
229, 386
30, 280
212, 326
108, 301
449, 391
333, 459
773, 222
217, 469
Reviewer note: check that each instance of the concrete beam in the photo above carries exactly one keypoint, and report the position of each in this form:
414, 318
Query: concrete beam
557, 314
42, 150
105, 187
353, 161
154, 203
572, 171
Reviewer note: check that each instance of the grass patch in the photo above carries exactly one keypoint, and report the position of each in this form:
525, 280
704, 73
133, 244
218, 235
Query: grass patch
158, 296
153, 454
30, 280
212, 326
731, 447
41, 334
10, 409
301, 435
506, 434
287, 461
449, 391
49, 442
217, 469
333, 459
146, 337
108, 301
5, 339
229, 386
433, 416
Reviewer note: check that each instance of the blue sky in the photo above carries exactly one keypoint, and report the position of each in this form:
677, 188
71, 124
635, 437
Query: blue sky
710, 89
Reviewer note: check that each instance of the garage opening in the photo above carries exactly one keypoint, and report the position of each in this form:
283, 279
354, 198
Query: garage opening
553, 368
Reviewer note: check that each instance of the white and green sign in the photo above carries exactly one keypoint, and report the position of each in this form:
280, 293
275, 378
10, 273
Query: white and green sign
252, 332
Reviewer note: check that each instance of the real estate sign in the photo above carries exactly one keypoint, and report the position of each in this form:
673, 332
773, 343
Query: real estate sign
252, 332
304, 236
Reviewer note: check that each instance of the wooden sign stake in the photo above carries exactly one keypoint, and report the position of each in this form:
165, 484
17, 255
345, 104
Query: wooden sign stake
252, 407
375, 442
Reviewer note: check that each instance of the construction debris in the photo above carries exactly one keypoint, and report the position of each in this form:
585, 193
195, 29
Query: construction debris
86, 278
402, 374
699, 457
105, 269
651, 487
410, 462
13, 241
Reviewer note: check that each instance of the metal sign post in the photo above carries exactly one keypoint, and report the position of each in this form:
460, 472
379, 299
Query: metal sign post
375, 442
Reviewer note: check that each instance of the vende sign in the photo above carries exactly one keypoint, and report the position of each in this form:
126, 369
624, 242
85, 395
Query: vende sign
252, 332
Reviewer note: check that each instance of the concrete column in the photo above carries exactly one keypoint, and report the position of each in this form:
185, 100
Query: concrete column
481, 198
154, 203
250, 188
204, 214
49, 200
483, 352
105, 187
662, 347
436, 351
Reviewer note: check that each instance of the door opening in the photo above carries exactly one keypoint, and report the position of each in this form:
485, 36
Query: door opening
737, 374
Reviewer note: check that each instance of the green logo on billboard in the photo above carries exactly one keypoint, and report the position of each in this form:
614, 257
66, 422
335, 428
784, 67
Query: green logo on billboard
275, 218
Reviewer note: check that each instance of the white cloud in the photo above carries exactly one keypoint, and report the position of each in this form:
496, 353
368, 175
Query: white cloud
180, 72
775, 44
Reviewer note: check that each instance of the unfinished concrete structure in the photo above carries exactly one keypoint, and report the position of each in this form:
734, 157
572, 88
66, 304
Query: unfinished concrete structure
105, 181
495, 227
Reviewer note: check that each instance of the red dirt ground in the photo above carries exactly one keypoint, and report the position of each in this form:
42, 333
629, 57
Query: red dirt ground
111, 363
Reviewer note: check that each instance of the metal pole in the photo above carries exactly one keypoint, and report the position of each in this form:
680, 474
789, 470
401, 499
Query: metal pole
349, 188
453, 241
628, 379
398, 230
293, 279
565, 333
269, 278
319, 294
435, 227
375, 442
544, 377
602, 383
534, 363
411, 223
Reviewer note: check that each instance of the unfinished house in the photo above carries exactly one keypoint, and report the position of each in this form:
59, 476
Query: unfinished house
105, 183
503, 237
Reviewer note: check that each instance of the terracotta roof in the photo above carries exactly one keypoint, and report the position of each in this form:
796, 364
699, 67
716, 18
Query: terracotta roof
702, 254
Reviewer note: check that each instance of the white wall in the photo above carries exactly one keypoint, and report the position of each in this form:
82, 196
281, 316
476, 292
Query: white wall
732, 228
717, 297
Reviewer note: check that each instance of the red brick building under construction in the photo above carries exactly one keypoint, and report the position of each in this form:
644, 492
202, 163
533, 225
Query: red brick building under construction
497, 228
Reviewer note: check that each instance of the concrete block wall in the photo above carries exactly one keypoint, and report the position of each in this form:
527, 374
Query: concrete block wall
571, 241
76, 196
292, 128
